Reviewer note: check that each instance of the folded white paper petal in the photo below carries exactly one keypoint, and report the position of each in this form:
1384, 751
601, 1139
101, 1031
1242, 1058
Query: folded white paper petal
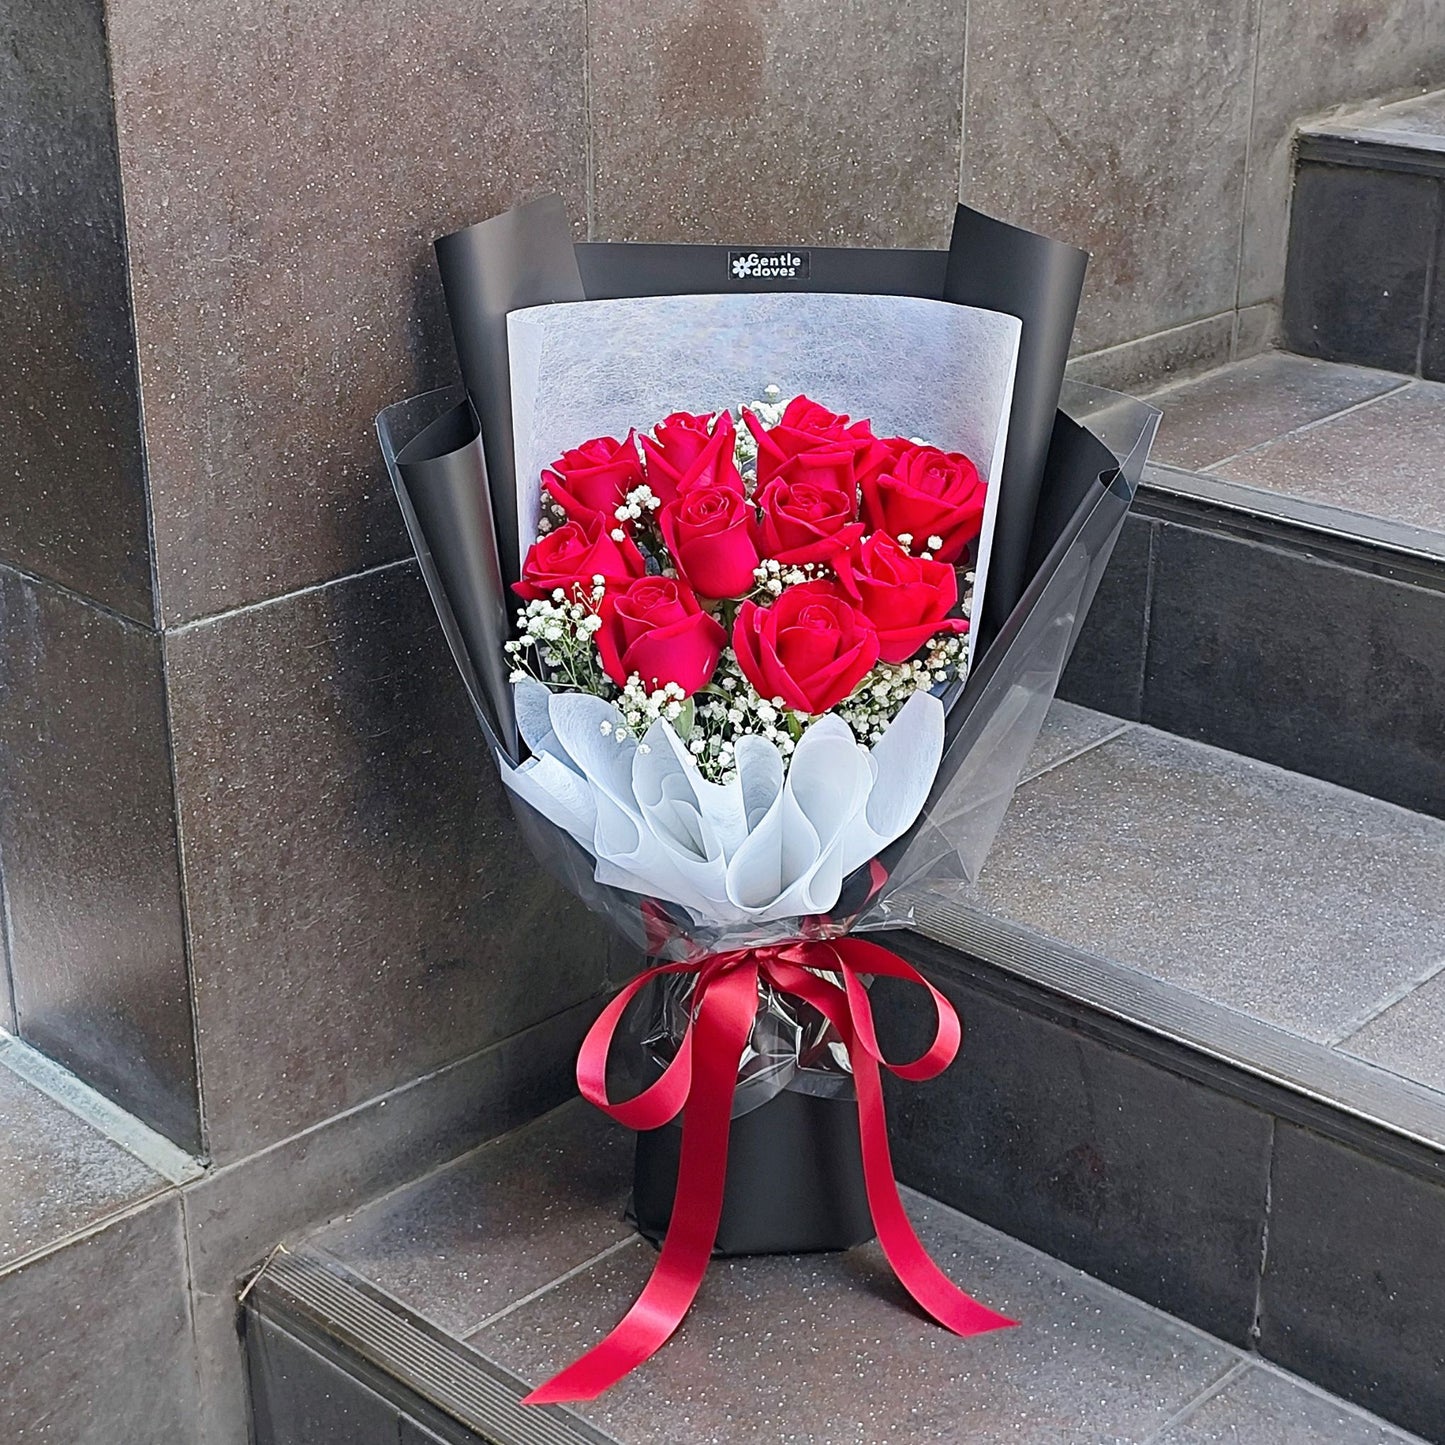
776, 854
533, 703
905, 761
560, 795
774, 842
759, 779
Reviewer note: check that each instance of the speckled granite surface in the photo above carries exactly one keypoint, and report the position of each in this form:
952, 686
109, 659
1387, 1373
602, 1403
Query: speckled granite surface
58, 1176
524, 1239
1351, 437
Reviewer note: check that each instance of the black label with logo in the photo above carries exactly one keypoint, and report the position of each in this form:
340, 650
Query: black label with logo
785, 265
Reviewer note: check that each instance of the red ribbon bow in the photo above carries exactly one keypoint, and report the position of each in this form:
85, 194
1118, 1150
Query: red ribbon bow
700, 1082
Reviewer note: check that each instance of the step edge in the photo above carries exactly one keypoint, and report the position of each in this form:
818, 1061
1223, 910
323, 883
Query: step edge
1360, 531
1371, 148
1323, 1089
302, 1284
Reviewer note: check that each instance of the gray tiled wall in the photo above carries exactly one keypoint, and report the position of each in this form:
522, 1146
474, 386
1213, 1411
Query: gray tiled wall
278, 721
72, 494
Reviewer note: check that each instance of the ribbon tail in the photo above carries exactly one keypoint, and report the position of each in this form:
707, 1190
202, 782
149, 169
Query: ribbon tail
724, 1021
929, 1286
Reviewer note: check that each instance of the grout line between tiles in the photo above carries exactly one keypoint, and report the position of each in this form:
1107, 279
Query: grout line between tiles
1403, 384
211, 617
74, 594
442, 1165
1256, 1324
615, 1248
163, 1191
1235, 1371
589, 146
1146, 622
999, 1239
1372, 1011
1338, 1402
1244, 189
1427, 308
1077, 753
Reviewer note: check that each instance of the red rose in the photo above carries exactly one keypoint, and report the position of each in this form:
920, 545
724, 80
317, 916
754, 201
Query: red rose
595, 477
707, 531
907, 599
928, 493
685, 454
573, 555
656, 629
806, 521
811, 647
809, 441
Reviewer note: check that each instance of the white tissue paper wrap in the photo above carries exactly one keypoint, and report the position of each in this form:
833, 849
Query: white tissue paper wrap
912, 367
773, 842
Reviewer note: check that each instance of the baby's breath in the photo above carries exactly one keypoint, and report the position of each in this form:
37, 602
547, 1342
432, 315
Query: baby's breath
556, 641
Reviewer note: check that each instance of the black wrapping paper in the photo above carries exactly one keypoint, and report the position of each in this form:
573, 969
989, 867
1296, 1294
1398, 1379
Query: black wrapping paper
523, 257
1005, 268
1065, 492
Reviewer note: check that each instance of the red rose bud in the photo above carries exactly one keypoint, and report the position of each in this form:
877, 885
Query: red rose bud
707, 531
811, 647
594, 477
576, 553
656, 629
907, 599
806, 521
928, 493
809, 440
686, 455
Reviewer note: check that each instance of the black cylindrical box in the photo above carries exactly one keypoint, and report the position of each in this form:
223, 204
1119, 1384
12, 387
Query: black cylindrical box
794, 1178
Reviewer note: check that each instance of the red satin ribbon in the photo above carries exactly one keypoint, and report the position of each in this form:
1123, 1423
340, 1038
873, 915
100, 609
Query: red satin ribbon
700, 1082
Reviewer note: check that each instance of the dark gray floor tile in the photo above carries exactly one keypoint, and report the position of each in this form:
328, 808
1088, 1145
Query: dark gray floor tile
1068, 729
1161, 216
238, 1213
1317, 667
280, 236
1361, 245
1372, 1331
1409, 1037
1386, 459
1311, 55
88, 839
300, 1398
72, 484
473, 1238
361, 910
57, 1174
677, 91
1106, 671
1291, 900
823, 1350
1264, 1407
1251, 402
98, 1340
1150, 1182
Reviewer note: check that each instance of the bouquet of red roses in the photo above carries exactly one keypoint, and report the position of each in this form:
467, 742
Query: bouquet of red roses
714, 589
775, 674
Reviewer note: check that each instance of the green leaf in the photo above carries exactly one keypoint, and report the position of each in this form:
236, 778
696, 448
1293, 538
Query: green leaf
682, 723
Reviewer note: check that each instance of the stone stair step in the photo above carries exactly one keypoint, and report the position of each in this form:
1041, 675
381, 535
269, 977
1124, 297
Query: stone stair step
1362, 280
425, 1316
1367, 444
